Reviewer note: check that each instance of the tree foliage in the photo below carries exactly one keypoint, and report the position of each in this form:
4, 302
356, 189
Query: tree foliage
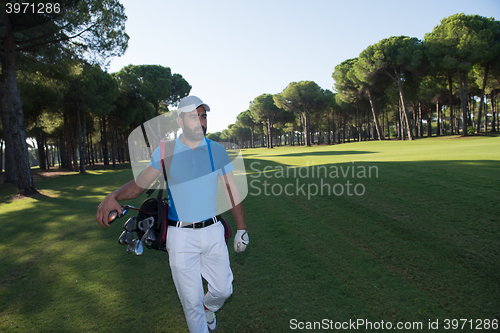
302, 97
152, 84
92, 29
263, 109
460, 42
396, 57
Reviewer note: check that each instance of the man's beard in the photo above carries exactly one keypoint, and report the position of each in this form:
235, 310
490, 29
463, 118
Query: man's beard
191, 134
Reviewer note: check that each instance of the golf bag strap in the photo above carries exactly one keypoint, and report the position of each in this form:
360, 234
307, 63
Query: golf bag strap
168, 149
153, 188
210, 153
165, 163
165, 148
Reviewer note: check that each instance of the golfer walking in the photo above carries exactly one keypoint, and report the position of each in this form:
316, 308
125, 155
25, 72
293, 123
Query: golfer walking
195, 238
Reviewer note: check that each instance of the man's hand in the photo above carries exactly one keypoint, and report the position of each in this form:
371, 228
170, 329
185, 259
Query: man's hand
241, 240
130, 190
108, 205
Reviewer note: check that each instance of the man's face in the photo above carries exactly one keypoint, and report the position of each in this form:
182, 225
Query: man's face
195, 124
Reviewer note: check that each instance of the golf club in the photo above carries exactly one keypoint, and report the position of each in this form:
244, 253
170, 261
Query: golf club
125, 238
135, 247
129, 225
135, 208
148, 238
114, 214
146, 224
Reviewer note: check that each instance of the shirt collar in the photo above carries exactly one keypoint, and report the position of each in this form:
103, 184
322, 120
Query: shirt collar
179, 146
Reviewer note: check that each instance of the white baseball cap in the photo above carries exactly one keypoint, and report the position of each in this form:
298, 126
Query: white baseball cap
189, 104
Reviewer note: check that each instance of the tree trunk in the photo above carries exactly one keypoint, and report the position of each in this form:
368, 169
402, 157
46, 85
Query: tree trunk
15, 113
67, 143
421, 123
429, 123
343, 129
438, 116
90, 155
388, 128
268, 135
113, 147
328, 127
450, 102
493, 116
81, 135
481, 103
358, 125
47, 155
1, 156
63, 161
405, 109
375, 118
104, 141
40, 142
74, 150
10, 168
463, 101
485, 116
252, 142
306, 128
270, 131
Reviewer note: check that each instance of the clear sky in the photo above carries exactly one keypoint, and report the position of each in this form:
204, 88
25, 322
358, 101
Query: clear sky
232, 51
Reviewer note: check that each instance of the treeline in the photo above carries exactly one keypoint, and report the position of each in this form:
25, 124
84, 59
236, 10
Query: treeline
401, 87
83, 115
53, 89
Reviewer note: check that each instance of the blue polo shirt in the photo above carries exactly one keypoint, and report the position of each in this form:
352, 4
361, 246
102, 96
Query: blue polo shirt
192, 184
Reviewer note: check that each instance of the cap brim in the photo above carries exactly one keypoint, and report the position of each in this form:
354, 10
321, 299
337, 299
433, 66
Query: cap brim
192, 107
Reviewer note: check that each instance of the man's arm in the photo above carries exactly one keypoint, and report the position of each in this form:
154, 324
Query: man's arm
234, 200
130, 190
241, 239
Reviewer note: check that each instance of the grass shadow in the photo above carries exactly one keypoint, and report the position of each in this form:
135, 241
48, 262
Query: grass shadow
328, 153
420, 242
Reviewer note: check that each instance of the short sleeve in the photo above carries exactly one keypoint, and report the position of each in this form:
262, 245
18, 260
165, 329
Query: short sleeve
155, 161
222, 161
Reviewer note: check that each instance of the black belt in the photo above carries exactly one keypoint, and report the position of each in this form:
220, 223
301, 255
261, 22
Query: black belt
194, 225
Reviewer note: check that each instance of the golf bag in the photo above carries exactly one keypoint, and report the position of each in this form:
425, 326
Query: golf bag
157, 208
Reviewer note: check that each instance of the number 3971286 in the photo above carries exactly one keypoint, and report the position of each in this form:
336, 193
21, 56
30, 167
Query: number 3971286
32, 8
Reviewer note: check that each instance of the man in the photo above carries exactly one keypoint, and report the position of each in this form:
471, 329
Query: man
195, 239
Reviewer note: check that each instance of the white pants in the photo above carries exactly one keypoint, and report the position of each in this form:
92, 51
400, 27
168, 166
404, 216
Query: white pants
197, 253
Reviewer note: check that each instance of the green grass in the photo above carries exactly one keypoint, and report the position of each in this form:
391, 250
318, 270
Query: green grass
422, 243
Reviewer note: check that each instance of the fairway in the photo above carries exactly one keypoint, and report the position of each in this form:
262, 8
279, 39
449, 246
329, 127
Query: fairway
375, 233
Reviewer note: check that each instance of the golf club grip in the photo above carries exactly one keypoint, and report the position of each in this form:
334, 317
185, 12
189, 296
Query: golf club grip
112, 216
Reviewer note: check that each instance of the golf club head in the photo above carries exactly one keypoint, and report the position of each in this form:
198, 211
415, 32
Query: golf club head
148, 238
135, 248
125, 238
146, 224
129, 225
151, 235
